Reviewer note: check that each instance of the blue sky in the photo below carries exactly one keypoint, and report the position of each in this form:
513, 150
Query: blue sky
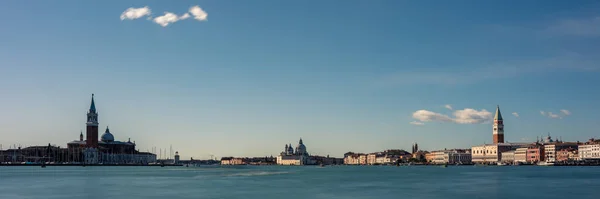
256, 75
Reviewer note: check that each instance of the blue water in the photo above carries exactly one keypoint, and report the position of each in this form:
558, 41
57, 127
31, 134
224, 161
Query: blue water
300, 182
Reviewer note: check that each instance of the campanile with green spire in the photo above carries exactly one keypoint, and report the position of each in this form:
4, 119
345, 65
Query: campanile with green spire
91, 131
498, 127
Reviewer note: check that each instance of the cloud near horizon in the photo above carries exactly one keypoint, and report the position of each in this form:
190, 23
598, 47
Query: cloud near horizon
165, 19
465, 116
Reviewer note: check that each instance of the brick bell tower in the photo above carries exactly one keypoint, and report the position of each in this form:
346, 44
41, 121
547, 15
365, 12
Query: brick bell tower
91, 131
498, 127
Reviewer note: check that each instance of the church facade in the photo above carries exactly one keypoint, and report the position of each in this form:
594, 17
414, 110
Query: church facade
107, 150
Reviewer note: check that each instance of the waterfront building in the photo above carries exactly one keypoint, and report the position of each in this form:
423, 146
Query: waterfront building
492, 153
568, 154
521, 155
420, 155
535, 153
508, 156
453, 156
362, 159
371, 157
290, 157
429, 157
233, 161
552, 147
352, 158
226, 160
590, 151
390, 159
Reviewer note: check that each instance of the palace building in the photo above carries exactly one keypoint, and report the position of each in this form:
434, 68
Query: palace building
107, 149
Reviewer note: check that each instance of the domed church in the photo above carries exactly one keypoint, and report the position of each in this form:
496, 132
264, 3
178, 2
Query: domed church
289, 156
107, 149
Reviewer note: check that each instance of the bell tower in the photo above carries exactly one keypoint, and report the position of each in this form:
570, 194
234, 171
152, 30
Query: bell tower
498, 127
92, 126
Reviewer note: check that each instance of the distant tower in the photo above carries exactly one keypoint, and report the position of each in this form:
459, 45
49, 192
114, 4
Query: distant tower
176, 157
416, 147
92, 126
81, 136
498, 127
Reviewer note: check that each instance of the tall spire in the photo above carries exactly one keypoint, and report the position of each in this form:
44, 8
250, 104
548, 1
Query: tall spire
93, 105
498, 115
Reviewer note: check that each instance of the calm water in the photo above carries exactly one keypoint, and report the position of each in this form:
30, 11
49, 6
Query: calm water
299, 182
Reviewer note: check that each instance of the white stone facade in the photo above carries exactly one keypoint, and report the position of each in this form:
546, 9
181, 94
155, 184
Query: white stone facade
589, 152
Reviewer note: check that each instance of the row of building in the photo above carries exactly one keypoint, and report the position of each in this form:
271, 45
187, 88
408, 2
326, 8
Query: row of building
544, 151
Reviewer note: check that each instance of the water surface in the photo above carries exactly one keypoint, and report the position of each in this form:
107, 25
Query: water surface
300, 182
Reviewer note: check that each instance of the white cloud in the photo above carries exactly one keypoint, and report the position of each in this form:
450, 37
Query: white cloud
169, 18
184, 16
465, 116
135, 13
543, 113
427, 116
552, 115
515, 114
417, 123
566, 112
448, 106
472, 116
198, 13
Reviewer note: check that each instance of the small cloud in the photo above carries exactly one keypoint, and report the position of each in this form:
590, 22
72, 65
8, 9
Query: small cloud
465, 116
198, 13
554, 116
169, 18
448, 106
185, 16
417, 123
515, 114
135, 13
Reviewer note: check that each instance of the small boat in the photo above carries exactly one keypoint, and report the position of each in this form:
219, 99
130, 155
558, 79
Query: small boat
544, 163
445, 165
501, 164
321, 165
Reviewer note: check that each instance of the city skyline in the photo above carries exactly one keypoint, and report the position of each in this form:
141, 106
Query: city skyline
238, 80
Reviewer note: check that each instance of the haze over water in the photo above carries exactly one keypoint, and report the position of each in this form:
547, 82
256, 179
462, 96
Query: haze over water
299, 182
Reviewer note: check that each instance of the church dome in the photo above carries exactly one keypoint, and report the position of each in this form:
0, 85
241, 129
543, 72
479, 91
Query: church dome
300, 149
107, 136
